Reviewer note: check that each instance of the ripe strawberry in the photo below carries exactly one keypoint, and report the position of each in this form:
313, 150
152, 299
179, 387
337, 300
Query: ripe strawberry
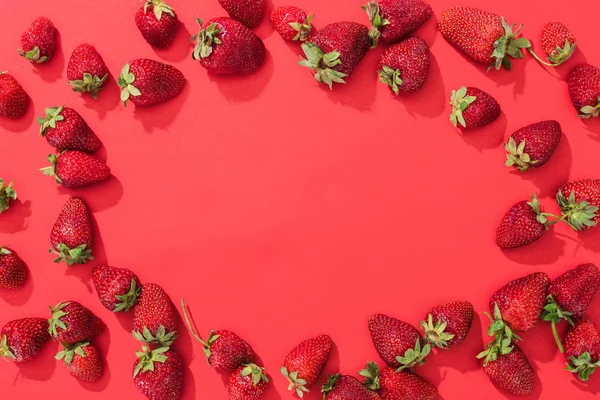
484, 37
7, 194
13, 272
523, 224
335, 51
248, 12
292, 23
511, 372
393, 20
226, 47
75, 169
65, 129
447, 325
71, 235
304, 364
404, 66
473, 108
397, 343
118, 288
147, 82
22, 339
558, 42
579, 202
392, 385
154, 316
157, 22
345, 387
13, 99
533, 145
248, 382
582, 345
584, 88
86, 71
71, 322
158, 374
83, 361
38, 42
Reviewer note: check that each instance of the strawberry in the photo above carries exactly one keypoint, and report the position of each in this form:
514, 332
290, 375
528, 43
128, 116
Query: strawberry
397, 343
117, 288
157, 22
65, 129
226, 47
304, 364
225, 351
13, 99
75, 169
83, 361
582, 348
71, 235
447, 325
13, 272
533, 145
292, 23
484, 37
393, 20
473, 108
147, 82
523, 224
154, 316
511, 372
584, 88
392, 385
248, 382
404, 66
38, 42
344, 387
558, 42
86, 71
579, 202
248, 12
335, 51
7, 194
22, 339
71, 322
158, 374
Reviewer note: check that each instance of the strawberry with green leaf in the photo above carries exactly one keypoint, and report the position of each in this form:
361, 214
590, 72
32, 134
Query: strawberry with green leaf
7, 194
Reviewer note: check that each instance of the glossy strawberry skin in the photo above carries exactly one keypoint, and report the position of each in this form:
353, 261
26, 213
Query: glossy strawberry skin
13, 99
541, 140
404, 16
458, 315
76, 169
41, 34
521, 301
158, 33
555, 34
404, 385
309, 358
512, 372
153, 309
584, 190
519, 227
584, 86
157, 82
111, 282
483, 111
81, 324
348, 387
88, 368
165, 382
73, 226
583, 337
412, 58
70, 133
13, 272
241, 387
392, 337
23, 338
574, 290
282, 17
248, 12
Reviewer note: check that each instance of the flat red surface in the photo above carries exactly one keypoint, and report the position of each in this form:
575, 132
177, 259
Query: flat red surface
280, 210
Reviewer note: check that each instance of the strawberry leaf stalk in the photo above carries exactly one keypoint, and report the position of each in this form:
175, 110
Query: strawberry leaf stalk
503, 338
554, 314
7, 194
323, 64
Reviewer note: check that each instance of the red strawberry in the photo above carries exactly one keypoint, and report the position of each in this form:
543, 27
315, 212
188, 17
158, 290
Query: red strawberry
65, 129
393, 20
248, 382
579, 202
335, 51
447, 325
225, 351
248, 12
22, 339
75, 169
582, 345
118, 288
533, 145
404, 66
584, 88
344, 387
71, 235
158, 374
304, 364
523, 224
157, 22
13, 99
392, 385
154, 316
226, 47
86, 71
292, 23
38, 43
558, 42
147, 82
7, 194
511, 372
484, 37
71, 322
13, 272
83, 361
397, 343
473, 108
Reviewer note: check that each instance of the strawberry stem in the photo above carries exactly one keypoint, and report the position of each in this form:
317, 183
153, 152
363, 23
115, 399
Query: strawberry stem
189, 324
557, 338
540, 60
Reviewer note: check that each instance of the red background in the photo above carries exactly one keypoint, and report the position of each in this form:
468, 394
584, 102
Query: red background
280, 210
